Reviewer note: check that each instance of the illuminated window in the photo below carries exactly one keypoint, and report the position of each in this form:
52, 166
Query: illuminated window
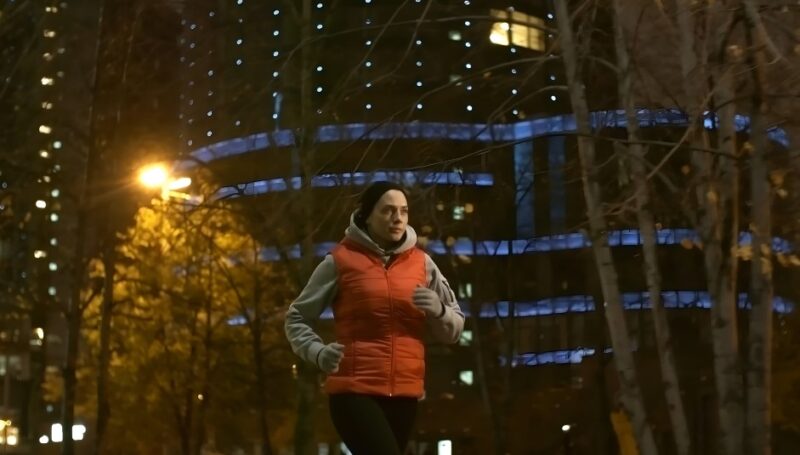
465, 291
49, 34
9, 434
466, 377
466, 338
517, 28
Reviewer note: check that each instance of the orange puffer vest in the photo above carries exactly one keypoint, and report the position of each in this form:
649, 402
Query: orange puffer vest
377, 322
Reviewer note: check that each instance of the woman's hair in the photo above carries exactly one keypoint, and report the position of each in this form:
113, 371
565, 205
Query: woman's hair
370, 197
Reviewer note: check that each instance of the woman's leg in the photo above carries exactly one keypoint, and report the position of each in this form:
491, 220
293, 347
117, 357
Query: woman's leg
373, 425
401, 413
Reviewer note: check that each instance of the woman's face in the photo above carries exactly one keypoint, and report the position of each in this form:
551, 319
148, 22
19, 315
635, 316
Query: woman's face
389, 218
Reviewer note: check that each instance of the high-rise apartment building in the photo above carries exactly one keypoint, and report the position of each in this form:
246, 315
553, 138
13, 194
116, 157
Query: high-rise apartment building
44, 114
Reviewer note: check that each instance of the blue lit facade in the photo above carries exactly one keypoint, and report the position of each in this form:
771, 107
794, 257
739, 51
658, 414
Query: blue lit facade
481, 133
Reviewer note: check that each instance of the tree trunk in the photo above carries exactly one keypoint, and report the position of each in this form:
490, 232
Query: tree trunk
201, 436
669, 373
74, 316
106, 313
759, 367
74, 308
261, 381
631, 395
307, 376
720, 240
482, 376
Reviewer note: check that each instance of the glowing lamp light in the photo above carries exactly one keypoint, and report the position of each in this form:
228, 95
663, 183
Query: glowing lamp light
153, 176
180, 183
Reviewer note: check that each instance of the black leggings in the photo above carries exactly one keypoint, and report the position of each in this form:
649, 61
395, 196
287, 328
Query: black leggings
373, 425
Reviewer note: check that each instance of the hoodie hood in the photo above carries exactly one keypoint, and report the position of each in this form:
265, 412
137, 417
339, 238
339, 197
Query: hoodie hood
358, 235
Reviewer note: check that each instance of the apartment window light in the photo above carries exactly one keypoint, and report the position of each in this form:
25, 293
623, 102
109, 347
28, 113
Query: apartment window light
517, 29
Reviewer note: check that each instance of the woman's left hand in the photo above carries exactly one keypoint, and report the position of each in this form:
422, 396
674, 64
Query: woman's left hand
428, 301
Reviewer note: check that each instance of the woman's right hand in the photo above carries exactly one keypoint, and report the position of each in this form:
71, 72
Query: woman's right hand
329, 357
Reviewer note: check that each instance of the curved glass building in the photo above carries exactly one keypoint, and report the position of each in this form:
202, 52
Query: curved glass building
465, 102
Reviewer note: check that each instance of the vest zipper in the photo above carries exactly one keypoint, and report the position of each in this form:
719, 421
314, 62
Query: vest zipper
391, 328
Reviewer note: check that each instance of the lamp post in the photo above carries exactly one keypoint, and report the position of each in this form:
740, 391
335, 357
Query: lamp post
566, 428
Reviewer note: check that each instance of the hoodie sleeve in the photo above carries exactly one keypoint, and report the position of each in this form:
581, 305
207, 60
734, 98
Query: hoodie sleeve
304, 312
448, 326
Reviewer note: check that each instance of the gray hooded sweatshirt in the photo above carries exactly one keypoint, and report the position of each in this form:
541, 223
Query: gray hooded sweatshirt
322, 287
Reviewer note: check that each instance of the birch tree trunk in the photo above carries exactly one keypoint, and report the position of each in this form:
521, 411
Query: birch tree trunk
717, 223
631, 395
308, 376
670, 382
759, 366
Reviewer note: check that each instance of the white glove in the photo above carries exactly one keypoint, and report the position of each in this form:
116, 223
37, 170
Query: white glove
329, 357
428, 301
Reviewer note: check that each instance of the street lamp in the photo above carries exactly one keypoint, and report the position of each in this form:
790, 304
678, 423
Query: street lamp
153, 175
157, 176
